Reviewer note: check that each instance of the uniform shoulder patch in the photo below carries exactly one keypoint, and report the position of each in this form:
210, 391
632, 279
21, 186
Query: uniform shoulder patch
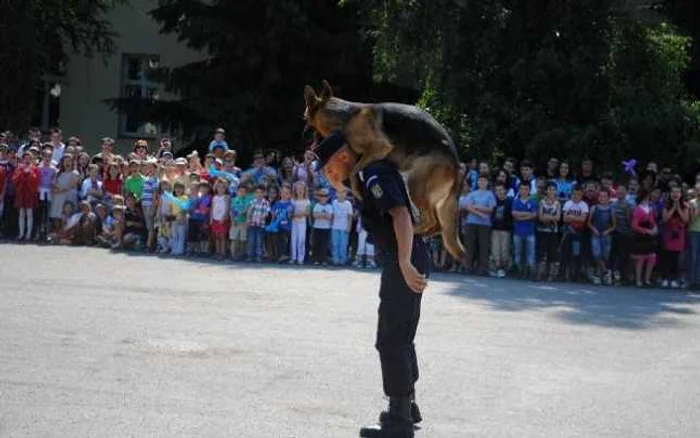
377, 191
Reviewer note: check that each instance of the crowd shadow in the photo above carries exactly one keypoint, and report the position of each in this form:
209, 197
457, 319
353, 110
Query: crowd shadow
605, 306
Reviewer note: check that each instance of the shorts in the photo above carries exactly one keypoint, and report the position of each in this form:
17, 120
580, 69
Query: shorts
600, 247
197, 231
149, 212
219, 228
238, 232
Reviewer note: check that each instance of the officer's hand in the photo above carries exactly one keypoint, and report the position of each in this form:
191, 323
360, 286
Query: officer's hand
414, 279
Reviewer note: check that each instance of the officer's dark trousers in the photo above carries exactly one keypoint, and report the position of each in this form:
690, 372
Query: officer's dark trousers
399, 312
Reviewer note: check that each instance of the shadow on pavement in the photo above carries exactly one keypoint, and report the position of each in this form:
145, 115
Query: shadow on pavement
605, 306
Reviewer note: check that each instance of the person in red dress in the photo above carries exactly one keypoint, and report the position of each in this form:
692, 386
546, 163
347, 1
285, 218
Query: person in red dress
26, 180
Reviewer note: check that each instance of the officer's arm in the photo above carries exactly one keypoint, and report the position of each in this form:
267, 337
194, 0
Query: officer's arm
403, 230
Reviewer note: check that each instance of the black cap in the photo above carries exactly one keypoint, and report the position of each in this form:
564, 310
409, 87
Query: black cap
328, 147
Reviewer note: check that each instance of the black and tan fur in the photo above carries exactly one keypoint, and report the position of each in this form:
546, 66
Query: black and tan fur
410, 138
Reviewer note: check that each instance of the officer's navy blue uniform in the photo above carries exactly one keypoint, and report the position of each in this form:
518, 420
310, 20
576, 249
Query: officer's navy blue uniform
383, 188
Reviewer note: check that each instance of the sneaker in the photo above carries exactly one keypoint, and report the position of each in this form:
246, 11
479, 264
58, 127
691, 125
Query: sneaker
674, 284
596, 280
371, 265
664, 283
501, 273
608, 277
358, 264
618, 277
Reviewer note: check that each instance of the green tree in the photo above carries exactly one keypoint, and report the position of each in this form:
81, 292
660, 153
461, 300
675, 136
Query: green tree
537, 78
35, 39
261, 53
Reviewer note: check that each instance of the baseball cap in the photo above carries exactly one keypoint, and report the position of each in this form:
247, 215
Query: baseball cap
328, 147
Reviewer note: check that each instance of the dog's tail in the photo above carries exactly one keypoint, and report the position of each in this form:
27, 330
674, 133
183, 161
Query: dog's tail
448, 216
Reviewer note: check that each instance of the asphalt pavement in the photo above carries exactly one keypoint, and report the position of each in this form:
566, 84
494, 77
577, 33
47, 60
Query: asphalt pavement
102, 344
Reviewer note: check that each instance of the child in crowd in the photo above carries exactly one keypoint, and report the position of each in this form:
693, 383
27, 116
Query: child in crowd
342, 222
47, 173
179, 206
282, 212
694, 262
323, 215
85, 232
502, 225
105, 222
645, 230
134, 182
301, 207
524, 217
270, 239
91, 189
113, 182
479, 205
676, 215
258, 210
602, 223
622, 236
238, 233
26, 181
198, 224
134, 226
547, 234
164, 217
150, 191
575, 218
220, 207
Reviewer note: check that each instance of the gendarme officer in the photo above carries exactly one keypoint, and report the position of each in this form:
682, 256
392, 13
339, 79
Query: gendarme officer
386, 214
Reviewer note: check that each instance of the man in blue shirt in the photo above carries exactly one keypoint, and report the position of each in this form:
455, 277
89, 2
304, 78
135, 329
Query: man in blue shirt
524, 219
479, 205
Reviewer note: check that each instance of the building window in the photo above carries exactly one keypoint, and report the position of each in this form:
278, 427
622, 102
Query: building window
136, 84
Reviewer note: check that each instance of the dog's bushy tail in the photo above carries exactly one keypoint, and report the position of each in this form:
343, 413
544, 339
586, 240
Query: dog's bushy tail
448, 216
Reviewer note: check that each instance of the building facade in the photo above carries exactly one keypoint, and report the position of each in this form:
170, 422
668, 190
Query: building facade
90, 82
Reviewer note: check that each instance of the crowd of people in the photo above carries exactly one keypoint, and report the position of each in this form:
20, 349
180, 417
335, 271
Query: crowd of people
552, 223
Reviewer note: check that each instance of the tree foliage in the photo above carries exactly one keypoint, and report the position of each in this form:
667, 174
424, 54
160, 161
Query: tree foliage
537, 78
260, 54
35, 40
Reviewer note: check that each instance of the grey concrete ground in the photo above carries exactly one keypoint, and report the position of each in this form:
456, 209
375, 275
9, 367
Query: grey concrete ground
95, 344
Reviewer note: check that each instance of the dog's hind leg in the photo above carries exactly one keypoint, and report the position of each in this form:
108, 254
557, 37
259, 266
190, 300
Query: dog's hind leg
447, 213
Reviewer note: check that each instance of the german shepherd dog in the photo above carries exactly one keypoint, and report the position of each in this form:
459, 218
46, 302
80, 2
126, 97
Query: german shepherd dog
410, 138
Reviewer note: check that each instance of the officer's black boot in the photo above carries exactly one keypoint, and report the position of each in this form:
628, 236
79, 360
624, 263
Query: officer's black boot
415, 412
396, 423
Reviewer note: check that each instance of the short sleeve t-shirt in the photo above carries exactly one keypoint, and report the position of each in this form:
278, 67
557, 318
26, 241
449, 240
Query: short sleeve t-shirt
524, 228
502, 215
342, 212
577, 209
319, 223
479, 198
283, 211
239, 207
134, 185
150, 186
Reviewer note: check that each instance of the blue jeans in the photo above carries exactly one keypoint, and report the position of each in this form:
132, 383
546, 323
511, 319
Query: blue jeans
256, 236
694, 259
179, 237
524, 244
339, 246
600, 246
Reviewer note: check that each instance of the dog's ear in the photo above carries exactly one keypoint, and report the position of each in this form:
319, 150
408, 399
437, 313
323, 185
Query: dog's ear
310, 97
327, 92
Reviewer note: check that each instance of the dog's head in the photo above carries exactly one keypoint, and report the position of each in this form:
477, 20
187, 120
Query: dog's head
326, 113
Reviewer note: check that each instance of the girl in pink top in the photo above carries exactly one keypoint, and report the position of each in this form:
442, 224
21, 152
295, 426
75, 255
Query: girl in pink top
675, 219
644, 227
